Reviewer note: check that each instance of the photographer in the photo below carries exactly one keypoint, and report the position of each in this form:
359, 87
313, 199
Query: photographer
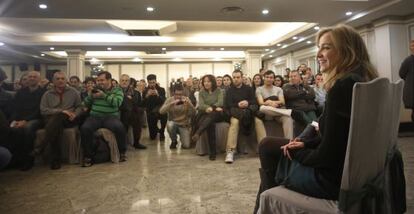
154, 97
180, 111
104, 103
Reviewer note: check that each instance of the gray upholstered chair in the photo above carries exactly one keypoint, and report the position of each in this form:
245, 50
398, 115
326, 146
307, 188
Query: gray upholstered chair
372, 137
70, 145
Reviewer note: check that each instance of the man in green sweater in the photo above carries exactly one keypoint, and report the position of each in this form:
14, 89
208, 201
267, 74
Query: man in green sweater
103, 102
180, 111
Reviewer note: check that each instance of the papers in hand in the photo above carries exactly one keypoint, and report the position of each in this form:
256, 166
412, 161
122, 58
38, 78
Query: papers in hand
272, 111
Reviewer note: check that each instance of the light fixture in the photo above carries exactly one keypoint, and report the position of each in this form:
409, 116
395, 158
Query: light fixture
267, 49
284, 46
109, 49
94, 59
348, 13
316, 28
278, 45
270, 55
150, 9
308, 42
222, 49
295, 37
136, 59
163, 49
1, 43
301, 39
265, 11
43, 6
42, 54
52, 48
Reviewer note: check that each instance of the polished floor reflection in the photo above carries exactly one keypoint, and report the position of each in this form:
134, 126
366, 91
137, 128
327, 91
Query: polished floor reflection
156, 180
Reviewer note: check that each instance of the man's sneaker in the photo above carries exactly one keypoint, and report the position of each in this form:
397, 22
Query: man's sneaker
173, 145
229, 157
122, 158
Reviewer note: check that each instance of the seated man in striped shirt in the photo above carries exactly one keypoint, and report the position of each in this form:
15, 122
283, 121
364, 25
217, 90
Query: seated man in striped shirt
103, 102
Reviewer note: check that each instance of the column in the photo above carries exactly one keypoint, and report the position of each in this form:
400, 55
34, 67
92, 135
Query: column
391, 41
76, 63
253, 62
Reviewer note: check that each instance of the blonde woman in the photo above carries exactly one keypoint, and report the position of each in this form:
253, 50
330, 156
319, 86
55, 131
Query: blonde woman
316, 162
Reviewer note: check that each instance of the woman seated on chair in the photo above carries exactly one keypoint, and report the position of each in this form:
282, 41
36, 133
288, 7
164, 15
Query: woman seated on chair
210, 111
313, 162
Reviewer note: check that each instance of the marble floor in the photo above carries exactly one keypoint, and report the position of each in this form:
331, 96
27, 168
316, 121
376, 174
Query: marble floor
156, 180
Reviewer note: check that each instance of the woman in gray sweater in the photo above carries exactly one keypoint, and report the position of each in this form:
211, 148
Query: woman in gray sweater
210, 111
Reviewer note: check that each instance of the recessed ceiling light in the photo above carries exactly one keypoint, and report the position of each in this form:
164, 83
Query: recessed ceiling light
94, 59
295, 37
271, 56
267, 49
272, 51
52, 48
301, 39
150, 9
278, 45
42, 6
42, 54
348, 13
265, 11
1, 43
308, 42
222, 49
163, 49
284, 46
316, 28
109, 49
136, 59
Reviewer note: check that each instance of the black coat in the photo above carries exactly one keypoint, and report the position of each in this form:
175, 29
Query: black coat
327, 155
407, 74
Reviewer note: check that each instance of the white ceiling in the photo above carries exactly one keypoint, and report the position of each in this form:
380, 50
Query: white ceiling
195, 25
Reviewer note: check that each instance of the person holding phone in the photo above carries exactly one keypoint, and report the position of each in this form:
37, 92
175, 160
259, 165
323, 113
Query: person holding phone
180, 110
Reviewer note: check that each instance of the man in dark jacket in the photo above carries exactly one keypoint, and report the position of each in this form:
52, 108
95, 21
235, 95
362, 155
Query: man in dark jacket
26, 118
407, 74
241, 102
132, 112
154, 97
300, 97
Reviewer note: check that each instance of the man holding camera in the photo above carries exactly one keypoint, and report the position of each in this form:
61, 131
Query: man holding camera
154, 97
180, 111
104, 102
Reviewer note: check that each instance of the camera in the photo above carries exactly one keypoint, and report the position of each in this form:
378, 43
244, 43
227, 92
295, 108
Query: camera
180, 102
96, 89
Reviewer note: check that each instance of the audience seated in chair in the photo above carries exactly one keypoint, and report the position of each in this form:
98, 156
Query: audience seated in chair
210, 112
313, 165
60, 107
320, 93
272, 97
241, 103
26, 118
104, 103
300, 98
180, 111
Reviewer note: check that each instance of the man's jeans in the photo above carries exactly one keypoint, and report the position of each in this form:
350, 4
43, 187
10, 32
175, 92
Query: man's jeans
184, 132
93, 123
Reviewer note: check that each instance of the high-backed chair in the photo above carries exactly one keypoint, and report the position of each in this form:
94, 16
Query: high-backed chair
371, 143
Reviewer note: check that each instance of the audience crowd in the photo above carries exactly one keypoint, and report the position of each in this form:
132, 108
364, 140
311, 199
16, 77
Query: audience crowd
188, 108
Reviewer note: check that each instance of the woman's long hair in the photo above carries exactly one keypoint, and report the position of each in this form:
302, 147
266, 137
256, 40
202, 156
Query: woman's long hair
352, 55
212, 79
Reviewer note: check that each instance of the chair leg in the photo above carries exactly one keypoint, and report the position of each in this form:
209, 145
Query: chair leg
267, 181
